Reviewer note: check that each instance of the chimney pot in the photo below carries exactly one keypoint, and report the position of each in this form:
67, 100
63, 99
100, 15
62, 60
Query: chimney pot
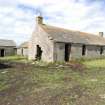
39, 20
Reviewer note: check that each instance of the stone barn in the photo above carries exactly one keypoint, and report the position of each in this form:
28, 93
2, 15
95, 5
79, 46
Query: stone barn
7, 48
50, 43
22, 50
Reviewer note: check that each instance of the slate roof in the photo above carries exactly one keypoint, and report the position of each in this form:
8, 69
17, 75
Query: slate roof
7, 43
69, 36
24, 45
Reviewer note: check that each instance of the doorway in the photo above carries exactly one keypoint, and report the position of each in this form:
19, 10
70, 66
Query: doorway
2, 53
83, 50
22, 52
39, 53
101, 50
67, 52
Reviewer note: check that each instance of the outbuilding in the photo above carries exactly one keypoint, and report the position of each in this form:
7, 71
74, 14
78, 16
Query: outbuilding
7, 48
22, 50
50, 43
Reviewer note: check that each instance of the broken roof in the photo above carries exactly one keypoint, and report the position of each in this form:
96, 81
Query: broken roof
7, 43
69, 36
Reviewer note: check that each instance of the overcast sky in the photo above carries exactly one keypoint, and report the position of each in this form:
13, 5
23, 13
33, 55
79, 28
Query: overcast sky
17, 17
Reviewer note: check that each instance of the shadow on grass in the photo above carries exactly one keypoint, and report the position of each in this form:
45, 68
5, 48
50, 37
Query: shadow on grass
4, 66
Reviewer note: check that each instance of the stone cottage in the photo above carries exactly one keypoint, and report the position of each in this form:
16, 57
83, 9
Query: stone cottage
22, 50
7, 47
50, 43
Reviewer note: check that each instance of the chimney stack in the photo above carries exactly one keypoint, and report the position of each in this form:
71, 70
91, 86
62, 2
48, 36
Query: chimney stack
39, 20
101, 34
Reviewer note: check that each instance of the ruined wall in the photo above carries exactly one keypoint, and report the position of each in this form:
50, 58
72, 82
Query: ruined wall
40, 37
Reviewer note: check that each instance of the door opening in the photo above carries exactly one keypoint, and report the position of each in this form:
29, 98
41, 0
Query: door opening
67, 52
101, 50
22, 52
83, 50
39, 53
2, 53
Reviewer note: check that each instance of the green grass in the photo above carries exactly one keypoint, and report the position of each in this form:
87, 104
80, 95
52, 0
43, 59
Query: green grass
95, 63
53, 84
14, 58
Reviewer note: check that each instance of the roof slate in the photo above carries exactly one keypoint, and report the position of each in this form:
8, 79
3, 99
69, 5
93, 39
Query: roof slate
69, 36
7, 43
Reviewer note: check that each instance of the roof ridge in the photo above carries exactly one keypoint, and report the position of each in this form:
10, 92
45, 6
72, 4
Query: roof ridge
69, 29
5, 42
57, 27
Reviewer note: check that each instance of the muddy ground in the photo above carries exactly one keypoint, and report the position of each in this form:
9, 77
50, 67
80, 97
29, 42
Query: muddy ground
30, 84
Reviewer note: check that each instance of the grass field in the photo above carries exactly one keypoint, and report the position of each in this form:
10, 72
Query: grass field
26, 83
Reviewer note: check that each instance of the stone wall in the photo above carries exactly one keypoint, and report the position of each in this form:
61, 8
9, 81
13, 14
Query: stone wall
93, 51
9, 51
22, 52
103, 51
76, 51
19, 51
25, 52
40, 37
59, 52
